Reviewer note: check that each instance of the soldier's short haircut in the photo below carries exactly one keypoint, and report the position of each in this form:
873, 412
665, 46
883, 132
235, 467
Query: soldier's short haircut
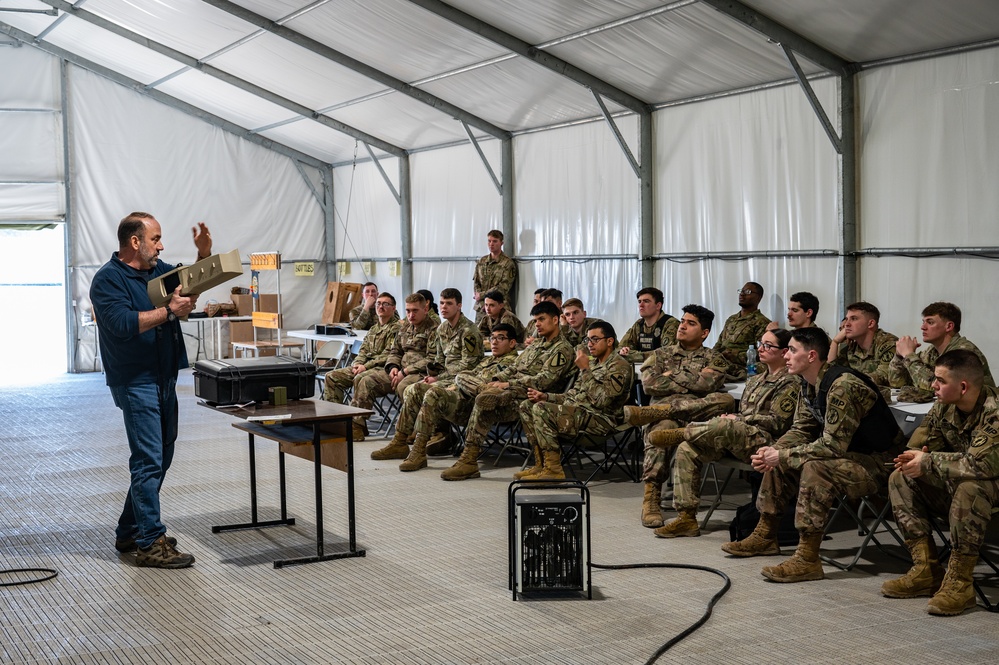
866, 308
451, 294
656, 294
539, 292
813, 339
807, 302
494, 294
606, 329
703, 315
965, 365
757, 286
945, 310
510, 331
573, 302
416, 298
546, 307
552, 293
783, 337
367, 284
495, 233
133, 224
386, 294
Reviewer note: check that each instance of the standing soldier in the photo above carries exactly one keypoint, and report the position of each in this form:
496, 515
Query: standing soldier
653, 329
593, 404
867, 347
495, 270
951, 468
741, 331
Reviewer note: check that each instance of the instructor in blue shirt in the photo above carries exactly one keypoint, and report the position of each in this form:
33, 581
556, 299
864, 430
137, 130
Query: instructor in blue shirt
143, 348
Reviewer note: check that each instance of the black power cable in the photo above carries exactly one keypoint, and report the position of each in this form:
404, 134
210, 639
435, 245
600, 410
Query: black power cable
50, 574
685, 566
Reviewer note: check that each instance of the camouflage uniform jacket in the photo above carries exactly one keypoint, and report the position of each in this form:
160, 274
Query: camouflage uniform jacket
603, 389
962, 446
486, 324
698, 372
544, 365
916, 369
365, 319
577, 339
874, 363
486, 371
654, 336
459, 347
769, 401
499, 274
434, 316
375, 347
409, 351
739, 333
848, 401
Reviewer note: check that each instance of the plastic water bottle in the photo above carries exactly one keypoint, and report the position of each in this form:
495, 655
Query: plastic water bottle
751, 359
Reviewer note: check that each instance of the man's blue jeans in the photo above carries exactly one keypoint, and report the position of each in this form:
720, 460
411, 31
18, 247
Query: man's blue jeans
150, 413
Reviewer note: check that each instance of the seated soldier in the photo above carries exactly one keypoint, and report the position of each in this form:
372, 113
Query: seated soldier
862, 345
544, 365
683, 380
912, 371
407, 359
364, 317
450, 399
592, 405
546, 295
496, 313
951, 468
741, 331
765, 413
653, 329
576, 323
455, 346
370, 362
802, 308
842, 436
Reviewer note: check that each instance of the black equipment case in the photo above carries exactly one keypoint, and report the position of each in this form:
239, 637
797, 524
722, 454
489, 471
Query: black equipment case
241, 380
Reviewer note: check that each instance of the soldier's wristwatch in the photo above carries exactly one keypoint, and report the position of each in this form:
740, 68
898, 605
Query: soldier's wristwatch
171, 317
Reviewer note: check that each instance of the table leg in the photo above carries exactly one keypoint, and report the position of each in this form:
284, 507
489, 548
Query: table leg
254, 523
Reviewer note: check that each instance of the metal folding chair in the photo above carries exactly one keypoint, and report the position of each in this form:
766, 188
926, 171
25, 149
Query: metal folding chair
730, 466
866, 527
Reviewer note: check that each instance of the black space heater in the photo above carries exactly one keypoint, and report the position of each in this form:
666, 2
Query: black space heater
549, 539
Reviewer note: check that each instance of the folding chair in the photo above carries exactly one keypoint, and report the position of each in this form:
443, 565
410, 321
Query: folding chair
619, 449
867, 527
328, 358
730, 465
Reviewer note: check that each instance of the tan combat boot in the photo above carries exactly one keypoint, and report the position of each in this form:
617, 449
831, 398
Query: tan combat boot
359, 430
552, 469
417, 458
666, 438
439, 445
643, 415
925, 576
466, 467
397, 448
652, 512
957, 593
761, 542
685, 524
803, 566
539, 464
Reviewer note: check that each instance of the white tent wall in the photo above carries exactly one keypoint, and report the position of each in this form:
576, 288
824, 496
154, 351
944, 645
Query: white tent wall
132, 153
929, 180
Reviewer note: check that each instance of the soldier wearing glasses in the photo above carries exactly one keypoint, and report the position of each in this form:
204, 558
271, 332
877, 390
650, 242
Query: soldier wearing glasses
592, 405
741, 330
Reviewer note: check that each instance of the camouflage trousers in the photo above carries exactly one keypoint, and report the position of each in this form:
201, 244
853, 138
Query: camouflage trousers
336, 383
684, 409
412, 401
709, 442
818, 483
544, 421
369, 385
441, 401
502, 406
966, 503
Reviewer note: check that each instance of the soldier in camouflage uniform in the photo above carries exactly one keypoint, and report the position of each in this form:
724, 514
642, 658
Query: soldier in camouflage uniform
951, 468
370, 360
576, 323
653, 330
683, 380
913, 371
765, 413
842, 436
741, 331
546, 295
496, 271
363, 317
592, 405
545, 365
497, 313
457, 346
862, 345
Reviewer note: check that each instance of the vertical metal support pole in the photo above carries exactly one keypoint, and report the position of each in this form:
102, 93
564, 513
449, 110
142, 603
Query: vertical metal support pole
849, 183
406, 223
646, 184
68, 236
509, 230
329, 223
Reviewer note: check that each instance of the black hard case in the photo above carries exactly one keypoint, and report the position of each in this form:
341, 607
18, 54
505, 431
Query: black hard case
241, 380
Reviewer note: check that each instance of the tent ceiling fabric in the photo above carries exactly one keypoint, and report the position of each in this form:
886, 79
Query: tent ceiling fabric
659, 52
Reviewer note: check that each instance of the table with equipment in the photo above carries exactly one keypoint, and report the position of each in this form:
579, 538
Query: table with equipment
312, 337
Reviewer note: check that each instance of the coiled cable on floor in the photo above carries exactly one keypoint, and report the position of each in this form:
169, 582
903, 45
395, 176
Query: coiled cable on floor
49, 573
684, 566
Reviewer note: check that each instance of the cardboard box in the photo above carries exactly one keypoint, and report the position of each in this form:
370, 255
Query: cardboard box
244, 303
241, 331
249, 354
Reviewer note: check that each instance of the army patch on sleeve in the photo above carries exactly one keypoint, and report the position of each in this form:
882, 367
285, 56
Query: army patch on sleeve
787, 405
832, 416
617, 381
469, 344
887, 355
558, 360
